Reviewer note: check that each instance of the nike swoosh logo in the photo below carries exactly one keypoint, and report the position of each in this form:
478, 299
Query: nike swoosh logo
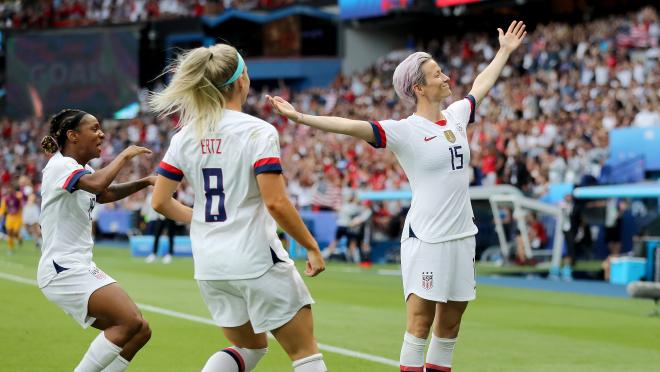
429, 138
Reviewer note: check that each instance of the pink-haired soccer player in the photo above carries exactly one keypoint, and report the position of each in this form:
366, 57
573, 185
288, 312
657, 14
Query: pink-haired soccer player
437, 245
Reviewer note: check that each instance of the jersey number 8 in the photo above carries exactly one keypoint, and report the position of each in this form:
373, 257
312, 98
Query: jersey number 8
215, 196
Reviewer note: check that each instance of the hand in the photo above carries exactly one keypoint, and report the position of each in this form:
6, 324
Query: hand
315, 263
513, 37
283, 107
151, 180
133, 151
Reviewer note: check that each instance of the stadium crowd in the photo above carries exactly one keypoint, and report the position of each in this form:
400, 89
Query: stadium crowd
546, 120
72, 13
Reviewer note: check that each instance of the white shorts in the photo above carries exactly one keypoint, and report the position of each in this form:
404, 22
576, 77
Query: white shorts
439, 272
31, 215
71, 289
268, 302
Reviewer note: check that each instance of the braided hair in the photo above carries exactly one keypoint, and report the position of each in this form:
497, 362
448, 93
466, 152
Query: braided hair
60, 123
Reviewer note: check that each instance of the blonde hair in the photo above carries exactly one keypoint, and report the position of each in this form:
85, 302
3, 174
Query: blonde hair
197, 91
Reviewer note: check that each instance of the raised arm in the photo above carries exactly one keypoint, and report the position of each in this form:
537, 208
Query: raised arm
355, 128
508, 43
98, 182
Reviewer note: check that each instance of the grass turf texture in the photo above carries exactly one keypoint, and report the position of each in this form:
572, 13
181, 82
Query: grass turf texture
503, 330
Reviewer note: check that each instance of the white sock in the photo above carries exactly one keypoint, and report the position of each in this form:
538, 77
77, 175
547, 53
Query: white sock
412, 352
234, 359
118, 365
100, 354
439, 355
312, 363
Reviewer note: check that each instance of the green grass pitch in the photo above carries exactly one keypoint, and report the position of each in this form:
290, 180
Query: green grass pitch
505, 329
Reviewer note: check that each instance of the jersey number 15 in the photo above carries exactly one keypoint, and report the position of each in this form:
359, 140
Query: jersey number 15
214, 210
455, 155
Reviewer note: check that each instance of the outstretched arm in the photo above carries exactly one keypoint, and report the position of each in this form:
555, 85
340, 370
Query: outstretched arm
99, 181
121, 190
355, 128
508, 43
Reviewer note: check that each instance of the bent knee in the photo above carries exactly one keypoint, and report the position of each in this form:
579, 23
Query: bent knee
145, 330
133, 325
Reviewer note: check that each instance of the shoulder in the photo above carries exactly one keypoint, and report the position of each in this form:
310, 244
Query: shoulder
393, 122
58, 161
180, 136
458, 105
258, 123
259, 127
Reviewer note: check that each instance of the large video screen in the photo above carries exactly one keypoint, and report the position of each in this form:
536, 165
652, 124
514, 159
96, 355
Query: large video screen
91, 69
353, 9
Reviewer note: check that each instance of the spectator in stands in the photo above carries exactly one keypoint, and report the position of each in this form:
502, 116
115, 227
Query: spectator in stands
537, 238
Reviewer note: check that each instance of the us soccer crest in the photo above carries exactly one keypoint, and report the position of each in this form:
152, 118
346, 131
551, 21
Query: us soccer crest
449, 135
97, 273
427, 280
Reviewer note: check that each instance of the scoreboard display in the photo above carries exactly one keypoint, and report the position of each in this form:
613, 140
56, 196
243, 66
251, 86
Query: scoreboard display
95, 70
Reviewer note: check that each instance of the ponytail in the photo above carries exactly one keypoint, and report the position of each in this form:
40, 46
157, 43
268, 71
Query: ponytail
200, 87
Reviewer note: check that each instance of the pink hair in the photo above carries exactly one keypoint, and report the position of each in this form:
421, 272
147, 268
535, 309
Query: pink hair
409, 73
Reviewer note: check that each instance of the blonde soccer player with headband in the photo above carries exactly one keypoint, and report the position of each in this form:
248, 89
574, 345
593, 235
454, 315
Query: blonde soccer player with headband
232, 160
437, 244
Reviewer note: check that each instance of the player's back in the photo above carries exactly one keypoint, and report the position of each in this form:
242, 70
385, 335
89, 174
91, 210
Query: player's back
232, 234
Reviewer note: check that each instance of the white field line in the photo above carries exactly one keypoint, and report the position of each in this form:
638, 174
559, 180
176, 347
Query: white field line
198, 319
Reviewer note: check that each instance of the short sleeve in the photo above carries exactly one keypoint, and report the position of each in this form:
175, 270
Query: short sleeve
265, 146
388, 133
170, 166
463, 110
68, 172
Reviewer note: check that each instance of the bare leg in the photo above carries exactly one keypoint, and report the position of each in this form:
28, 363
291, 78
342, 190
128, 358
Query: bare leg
243, 336
448, 318
119, 318
419, 316
297, 336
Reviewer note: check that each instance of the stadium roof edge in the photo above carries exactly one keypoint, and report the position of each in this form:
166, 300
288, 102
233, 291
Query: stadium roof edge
261, 17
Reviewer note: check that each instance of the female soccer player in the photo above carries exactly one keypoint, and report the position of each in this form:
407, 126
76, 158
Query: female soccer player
232, 161
66, 274
438, 246
11, 205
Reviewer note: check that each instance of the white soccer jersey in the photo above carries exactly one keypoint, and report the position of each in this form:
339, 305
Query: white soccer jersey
435, 157
66, 222
232, 234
